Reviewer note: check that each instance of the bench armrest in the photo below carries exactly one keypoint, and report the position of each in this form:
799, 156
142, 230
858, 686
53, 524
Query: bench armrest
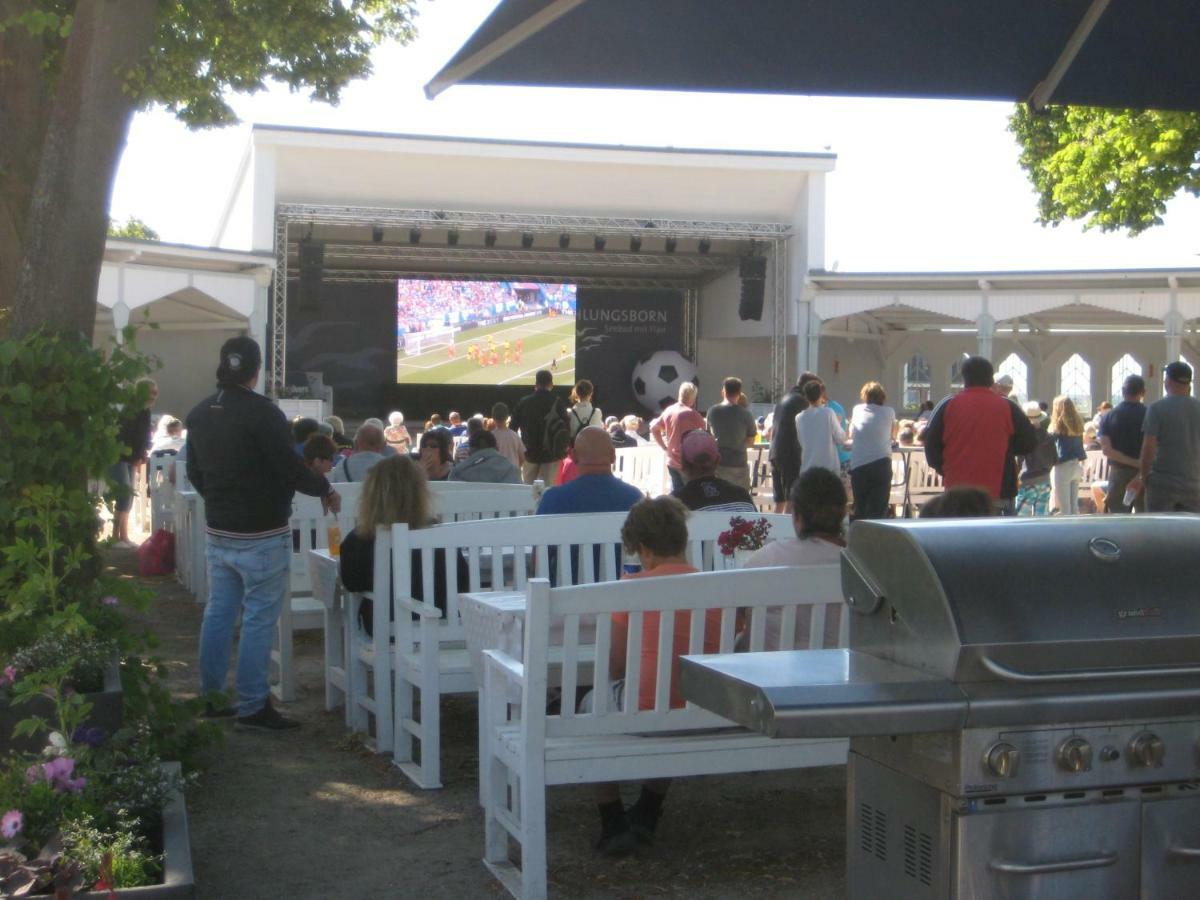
418, 608
500, 662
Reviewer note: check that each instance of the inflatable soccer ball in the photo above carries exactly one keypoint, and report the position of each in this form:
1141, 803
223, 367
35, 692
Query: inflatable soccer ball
659, 376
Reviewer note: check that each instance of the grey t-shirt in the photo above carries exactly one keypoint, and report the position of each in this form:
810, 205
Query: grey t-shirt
1175, 422
731, 425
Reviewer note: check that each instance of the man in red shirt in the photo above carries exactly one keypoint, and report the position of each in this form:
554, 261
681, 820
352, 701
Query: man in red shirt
974, 435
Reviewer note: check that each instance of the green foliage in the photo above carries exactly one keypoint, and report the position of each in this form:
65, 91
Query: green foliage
62, 401
120, 855
133, 228
1114, 168
206, 48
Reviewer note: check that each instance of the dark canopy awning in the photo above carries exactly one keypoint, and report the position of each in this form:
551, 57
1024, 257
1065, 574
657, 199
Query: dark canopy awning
1130, 53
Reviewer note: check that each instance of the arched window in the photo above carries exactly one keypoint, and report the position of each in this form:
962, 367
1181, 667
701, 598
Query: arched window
1075, 380
917, 382
1122, 369
956, 379
1014, 367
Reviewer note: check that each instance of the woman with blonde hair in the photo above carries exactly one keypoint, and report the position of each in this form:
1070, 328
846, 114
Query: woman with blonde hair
395, 490
396, 434
1066, 425
872, 430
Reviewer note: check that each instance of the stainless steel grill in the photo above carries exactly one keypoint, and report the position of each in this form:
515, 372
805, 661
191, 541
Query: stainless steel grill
1023, 703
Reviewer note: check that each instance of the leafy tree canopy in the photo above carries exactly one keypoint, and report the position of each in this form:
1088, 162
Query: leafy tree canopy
206, 48
1113, 168
133, 228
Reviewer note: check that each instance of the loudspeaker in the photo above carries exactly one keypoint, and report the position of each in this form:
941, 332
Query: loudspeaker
753, 272
312, 271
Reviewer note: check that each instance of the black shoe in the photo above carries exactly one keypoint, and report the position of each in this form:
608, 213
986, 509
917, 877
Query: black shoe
266, 719
643, 816
618, 843
642, 828
219, 712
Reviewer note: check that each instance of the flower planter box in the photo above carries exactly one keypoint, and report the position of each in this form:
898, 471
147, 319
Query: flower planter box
179, 881
108, 712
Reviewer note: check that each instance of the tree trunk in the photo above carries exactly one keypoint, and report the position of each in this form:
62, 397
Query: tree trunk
66, 221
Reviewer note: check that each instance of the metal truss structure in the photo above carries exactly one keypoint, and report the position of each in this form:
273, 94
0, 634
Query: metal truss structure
779, 308
373, 262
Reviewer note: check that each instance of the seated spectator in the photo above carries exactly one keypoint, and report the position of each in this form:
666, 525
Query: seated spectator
906, 436
368, 451
508, 442
396, 434
700, 455
636, 429
457, 428
435, 421
961, 502
302, 427
436, 454
461, 449
656, 530
339, 433
319, 451
395, 490
621, 437
485, 463
819, 503
378, 423
172, 440
595, 489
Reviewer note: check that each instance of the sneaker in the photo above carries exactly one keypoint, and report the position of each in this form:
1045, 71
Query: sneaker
219, 712
266, 719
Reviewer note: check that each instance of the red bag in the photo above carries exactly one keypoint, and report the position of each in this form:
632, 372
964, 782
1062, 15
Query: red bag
156, 556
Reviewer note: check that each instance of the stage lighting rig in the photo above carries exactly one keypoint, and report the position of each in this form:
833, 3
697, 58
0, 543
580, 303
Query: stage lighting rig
600, 242
564, 241
704, 246
669, 245
377, 234
635, 243
452, 237
414, 235
527, 240
489, 238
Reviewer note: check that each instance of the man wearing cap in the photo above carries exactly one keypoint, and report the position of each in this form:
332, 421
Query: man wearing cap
240, 460
1003, 386
1169, 464
700, 456
1120, 435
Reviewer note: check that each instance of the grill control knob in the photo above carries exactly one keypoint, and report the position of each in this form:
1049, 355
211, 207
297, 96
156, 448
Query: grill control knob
1075, 755
1109, 754
1147, 750
1002, 759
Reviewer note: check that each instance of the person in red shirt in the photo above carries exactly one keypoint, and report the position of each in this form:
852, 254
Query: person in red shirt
656, 530
668, 430
974, 436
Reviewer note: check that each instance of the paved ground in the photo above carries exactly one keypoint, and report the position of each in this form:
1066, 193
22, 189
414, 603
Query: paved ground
309, 814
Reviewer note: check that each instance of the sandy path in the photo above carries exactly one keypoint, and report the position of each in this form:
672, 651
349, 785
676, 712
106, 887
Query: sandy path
310, 814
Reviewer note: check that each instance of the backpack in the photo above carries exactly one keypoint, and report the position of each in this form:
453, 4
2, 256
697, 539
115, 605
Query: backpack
556, 434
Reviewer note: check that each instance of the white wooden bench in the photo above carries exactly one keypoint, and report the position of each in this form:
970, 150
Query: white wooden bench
645, 467
527, 749
429, 654
160, 489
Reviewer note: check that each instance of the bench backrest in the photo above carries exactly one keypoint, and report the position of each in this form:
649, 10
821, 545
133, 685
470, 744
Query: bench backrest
486, 501
644, 467
574, 625
311, 532
582, 548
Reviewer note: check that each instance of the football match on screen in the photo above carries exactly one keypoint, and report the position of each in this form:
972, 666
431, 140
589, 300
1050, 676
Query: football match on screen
483, 332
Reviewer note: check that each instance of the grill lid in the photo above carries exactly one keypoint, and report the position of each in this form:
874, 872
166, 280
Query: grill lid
1028, 601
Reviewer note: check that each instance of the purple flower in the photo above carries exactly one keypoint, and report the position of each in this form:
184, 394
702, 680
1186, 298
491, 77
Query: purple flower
11, 824
109, 600
93, 737
58, 774
9, 676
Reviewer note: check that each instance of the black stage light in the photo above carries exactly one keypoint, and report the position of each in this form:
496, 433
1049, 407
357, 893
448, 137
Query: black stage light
527, 239
600, 242
704, 246
669, 245
377, 234
635, 243
489, 238
414, 235
564, 241
452, 237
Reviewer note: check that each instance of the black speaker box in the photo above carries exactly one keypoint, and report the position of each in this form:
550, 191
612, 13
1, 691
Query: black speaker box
753, 272
312, 271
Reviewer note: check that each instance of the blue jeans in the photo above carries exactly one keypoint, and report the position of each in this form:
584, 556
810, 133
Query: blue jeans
251, 578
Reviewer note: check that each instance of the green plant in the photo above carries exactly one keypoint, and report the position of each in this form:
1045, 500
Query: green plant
118, 856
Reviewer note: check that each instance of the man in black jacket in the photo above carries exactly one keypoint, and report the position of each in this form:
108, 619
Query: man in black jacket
241, 461
785, 445
531, 418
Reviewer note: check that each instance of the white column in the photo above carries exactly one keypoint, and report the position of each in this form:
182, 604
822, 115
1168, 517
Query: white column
985, 331
1173, 322
808, 332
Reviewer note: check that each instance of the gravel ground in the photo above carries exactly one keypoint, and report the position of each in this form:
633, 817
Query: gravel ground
309, 813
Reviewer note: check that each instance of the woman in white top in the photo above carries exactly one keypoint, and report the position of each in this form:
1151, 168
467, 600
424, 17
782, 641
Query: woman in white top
819, 432
872, 429
396, 434
818, 517
582, 413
